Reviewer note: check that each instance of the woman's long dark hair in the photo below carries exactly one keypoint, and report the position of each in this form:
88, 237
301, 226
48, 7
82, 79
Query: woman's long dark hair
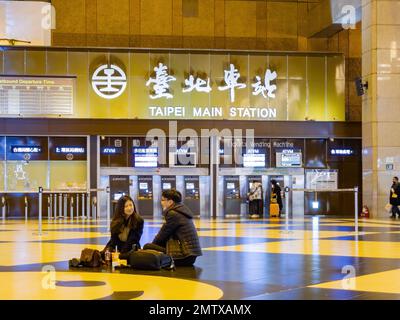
119, 215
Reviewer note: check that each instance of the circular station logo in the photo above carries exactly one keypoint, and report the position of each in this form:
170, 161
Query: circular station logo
109, 81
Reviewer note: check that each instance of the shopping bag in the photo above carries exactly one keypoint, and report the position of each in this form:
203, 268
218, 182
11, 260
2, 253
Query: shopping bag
388, 208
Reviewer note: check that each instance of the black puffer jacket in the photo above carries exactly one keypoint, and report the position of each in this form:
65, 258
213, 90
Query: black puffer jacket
179, 224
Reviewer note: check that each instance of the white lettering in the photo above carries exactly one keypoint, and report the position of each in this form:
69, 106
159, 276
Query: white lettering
161, 82
231, 79
267, 89
200, 85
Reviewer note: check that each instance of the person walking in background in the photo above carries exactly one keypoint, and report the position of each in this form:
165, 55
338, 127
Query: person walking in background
276, 193
126, 227
394, 197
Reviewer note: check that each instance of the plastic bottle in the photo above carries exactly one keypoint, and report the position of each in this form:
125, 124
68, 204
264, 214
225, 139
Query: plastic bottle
107, 255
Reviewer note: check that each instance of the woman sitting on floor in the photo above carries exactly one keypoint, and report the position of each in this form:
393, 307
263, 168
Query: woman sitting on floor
126, 226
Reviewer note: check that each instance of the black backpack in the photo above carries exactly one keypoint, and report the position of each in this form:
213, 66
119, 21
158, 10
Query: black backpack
150, 260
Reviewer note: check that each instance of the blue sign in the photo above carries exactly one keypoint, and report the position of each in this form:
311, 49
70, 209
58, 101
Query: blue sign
342, 152
111, 150
26, 149
73, 150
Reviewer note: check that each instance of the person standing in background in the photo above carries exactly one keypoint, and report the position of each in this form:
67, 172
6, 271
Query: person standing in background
277, 193
394, 197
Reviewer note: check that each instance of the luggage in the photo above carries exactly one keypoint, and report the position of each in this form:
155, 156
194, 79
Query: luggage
274, 209
150, 260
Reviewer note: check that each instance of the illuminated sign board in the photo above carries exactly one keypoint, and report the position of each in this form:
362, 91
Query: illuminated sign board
26, 149
171, 84
37, 95
72, 150
111, 150
289, 158
145, 157
254, 158
342, 152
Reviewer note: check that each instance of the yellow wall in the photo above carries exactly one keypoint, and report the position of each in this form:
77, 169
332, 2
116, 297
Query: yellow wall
206, 24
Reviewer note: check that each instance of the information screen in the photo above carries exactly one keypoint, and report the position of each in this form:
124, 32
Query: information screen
143, 186
230, 185
167, 186
289, 159
145, 157
254, 160
189, 186
117, 196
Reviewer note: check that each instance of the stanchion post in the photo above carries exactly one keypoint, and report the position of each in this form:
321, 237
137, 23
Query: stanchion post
83, 206
88, 215
49, 206
287, 189
3, 204
40, 210
356, 208
108, 208
72, 207
26, 207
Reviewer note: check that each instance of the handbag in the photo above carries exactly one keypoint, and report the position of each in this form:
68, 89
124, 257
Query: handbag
388, 208
177, 249
91, 258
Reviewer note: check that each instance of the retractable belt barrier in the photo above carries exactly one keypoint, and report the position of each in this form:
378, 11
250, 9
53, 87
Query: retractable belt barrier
63, 209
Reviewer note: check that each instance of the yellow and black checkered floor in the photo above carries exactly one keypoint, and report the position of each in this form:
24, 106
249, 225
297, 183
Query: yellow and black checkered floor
316, 258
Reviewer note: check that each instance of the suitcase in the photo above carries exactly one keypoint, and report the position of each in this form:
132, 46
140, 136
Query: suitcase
274, 210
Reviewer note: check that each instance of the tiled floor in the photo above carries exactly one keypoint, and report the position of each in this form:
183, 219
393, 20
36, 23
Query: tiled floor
316, 258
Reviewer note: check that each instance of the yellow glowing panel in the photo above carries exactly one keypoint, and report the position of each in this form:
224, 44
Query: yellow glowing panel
2, 163
57, 63
14, 62
335, 90
68, 175
316, 89
297, 88
35, 62
26, 176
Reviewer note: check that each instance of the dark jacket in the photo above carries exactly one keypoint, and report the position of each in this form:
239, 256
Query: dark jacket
134, 235
179, 225
277, 190
396, 188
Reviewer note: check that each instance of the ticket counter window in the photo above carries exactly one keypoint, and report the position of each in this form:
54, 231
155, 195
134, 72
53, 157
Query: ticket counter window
26, 176
68, 175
